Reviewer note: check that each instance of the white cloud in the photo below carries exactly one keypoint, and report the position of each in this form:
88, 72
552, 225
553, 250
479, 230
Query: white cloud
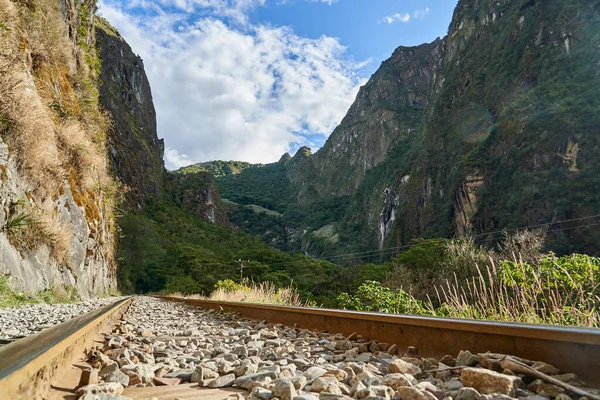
242, 93
418, 14
397, 17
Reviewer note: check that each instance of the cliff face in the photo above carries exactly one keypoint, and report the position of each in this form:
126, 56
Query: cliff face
491, 127
56, 197
387, 109
196, 191
136, 153
512, 116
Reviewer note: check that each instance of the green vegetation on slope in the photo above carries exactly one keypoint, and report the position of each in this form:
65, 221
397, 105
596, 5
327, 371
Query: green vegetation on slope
513, 282
166, 245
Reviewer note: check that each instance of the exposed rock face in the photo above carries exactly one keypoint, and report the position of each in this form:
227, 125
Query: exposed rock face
387, 108
494, 124
197, 192
69, 215
36, 270
136, 152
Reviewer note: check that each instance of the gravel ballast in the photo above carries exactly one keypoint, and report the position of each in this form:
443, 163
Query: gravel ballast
169, 343
32, 318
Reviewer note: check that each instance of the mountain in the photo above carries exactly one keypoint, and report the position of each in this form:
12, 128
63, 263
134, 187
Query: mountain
492, 127
135, 151
57, 198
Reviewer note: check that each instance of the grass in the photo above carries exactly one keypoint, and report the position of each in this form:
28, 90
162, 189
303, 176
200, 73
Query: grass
515, 282
251, 292
56, 130
493, 296
53, 295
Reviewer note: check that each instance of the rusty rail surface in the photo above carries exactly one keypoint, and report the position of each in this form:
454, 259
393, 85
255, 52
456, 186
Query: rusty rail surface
28, 365
570, 349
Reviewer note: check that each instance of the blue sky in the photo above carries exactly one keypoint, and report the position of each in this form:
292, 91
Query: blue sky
360, 24
251, 79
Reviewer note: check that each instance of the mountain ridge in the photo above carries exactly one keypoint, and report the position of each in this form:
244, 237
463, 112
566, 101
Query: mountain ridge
461, 123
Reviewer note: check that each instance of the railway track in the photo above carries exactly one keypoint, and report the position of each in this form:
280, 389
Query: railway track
171, 334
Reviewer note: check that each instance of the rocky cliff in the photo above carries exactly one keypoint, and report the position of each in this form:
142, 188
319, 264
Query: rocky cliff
195, 190
136, 152
56, 196
491, 127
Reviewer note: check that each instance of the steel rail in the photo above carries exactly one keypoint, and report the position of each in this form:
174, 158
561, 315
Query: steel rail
28, 365
570, 349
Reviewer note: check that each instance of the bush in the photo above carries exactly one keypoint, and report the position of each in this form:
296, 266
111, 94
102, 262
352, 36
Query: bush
562, 291
53, 295
184, 285
430, 262
228, 285
372, 296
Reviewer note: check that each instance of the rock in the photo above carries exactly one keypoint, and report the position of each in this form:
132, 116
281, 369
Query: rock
563, 396
393, 350
322, 383
339, 374
467, 393
569, 378
496, 396
431, 388
412, 393
134, 379
146, 372
108, 369
403, 367
364, 357
245, 382
305, 397
375, 391
245, 369
222, 381
103, 396
298, 381
545, 368
259, 393
448, 360
119, 377
184, 374
538, 386
453, 384
284, 389
466, 358
202, 373
111, 388
488, 382
314, 372
357, 387
88, 377
166, 381
396, 381
331, 396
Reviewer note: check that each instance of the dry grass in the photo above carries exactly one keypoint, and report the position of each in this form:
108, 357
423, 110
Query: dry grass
44, 228
80, 154
51, 120
491, 297
261, 293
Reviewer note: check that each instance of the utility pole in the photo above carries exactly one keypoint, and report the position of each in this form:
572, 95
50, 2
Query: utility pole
241, 270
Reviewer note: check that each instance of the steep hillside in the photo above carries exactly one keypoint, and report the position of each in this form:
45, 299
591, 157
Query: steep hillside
492, 127
56, 196
136, 152
195, 191
510, 138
